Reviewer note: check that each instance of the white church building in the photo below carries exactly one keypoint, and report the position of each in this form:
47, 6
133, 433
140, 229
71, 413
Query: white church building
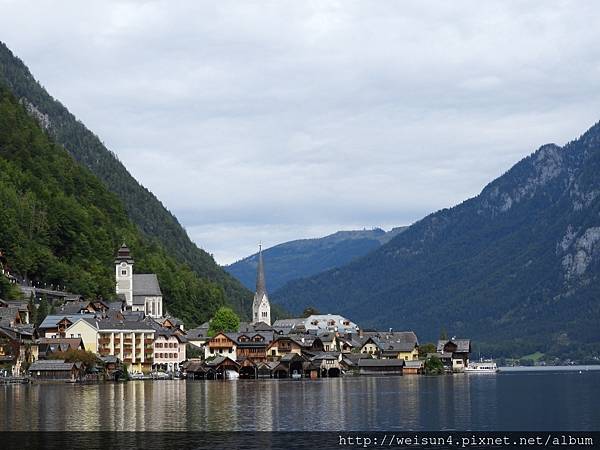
139, 292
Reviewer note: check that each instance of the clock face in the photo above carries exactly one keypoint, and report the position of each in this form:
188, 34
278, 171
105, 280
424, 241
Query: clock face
123, 264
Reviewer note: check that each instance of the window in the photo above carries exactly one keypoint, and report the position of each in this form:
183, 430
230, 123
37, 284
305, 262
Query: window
124, 272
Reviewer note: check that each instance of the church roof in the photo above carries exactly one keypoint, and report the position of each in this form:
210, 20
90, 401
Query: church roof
261, 286
146, 284
124, 255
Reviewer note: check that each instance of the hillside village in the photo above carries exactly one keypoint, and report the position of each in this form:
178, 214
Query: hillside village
133, 336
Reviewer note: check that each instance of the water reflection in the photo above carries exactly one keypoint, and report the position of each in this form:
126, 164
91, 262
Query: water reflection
526, 401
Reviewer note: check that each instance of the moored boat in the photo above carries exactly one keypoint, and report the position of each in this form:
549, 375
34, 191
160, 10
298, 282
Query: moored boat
487, 366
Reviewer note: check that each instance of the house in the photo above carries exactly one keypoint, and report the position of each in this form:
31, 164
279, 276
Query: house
49, 346
393, 345
317, 322
380, 366
217, 368
283, 345
56, 325
459, 349
198, 336
85, 328
169, 349
252, 346
140, 292
289, 365
220, 345
13, 313
16, 348
327, 363
413, 367
83, 307
131, 342
329, 340
56, 369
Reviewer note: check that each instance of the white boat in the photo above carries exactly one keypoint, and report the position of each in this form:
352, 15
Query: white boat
296, 375
487, 366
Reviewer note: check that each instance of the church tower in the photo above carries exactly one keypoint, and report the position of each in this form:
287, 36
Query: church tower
261, 309
124, 274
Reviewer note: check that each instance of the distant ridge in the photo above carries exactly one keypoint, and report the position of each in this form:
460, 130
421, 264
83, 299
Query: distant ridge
305, 257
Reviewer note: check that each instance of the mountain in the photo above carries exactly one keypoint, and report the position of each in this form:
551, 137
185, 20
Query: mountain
59, 224
516, 267
305, 257
144, 209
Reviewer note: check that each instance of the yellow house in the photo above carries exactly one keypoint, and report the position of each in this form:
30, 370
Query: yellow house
86, 330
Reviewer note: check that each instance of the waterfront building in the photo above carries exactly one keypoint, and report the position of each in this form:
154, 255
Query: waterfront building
220, 345
139, 292
368, 366
46, 347
199, 335
282, 345
392, 345
454, 353
131, 342
56, 369
169, 349
85, 328
261, 308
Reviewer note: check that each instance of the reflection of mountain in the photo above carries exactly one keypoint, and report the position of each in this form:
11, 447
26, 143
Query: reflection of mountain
306, 257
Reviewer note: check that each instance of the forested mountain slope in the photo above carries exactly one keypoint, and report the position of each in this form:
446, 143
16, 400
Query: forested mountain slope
60, 225
143, 208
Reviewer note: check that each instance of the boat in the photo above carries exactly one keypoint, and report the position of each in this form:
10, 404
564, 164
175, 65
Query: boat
296, 375
483, 366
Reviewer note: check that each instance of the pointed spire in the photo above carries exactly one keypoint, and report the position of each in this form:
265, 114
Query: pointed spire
261, 288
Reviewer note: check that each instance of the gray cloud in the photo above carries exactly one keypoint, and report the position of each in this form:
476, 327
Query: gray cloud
279, 120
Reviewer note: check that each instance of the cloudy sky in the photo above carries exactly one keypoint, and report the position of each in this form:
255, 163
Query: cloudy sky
280, 120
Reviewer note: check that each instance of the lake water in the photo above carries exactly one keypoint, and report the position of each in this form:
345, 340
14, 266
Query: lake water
532, 400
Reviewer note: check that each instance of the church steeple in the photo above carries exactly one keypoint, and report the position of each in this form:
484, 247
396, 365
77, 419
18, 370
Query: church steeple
261, 309
261, 286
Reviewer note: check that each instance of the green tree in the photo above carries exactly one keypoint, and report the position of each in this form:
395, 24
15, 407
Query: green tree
424, 349
433, 366
224, 320
42, 311
33, 311
309, 311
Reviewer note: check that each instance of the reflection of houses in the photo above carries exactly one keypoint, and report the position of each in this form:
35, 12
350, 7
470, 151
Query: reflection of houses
394, 345
56, 369
454, 353
380, 366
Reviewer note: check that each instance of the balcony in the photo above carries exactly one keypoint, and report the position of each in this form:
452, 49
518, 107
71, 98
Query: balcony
148, 341
104, 351
104, 340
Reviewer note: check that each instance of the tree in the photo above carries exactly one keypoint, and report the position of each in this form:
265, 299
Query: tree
33, 311
443, 334
424, 349
42, 311
433, 366
224, 320
309, 311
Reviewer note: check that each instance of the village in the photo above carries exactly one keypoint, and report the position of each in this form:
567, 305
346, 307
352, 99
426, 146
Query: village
134, 337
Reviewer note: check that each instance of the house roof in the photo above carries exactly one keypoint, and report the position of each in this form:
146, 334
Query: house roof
393, 342
51, 321
124, 325
416, 364
57, 365
380, 362
146, 284
462, 345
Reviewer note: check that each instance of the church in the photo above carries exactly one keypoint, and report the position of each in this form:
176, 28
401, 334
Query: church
139, 292
261, 308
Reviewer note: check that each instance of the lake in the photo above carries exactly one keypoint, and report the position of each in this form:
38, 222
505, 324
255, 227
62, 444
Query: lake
514, 400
